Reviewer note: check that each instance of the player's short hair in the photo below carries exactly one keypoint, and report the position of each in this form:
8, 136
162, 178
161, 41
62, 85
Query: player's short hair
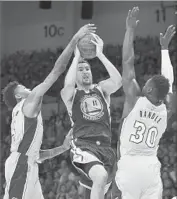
83, 61
162, 86
8, 94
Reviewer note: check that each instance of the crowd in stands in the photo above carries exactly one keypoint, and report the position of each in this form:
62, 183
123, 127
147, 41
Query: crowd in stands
58, 178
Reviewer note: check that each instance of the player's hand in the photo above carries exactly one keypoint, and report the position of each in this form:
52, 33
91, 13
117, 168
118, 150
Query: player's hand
99, 44
67, 141
87, 29
77, 53
166, 38
131, 20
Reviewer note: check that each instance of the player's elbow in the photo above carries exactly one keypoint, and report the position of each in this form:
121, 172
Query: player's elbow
62, 93
128, 76
118, 83
116, 80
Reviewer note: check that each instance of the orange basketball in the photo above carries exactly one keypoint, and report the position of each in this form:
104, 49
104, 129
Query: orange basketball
86, 47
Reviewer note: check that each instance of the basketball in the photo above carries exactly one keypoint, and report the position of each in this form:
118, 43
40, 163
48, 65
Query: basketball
86, 47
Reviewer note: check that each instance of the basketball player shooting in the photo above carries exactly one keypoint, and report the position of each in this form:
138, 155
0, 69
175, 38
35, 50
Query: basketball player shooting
88, 107
144, 120
21, 168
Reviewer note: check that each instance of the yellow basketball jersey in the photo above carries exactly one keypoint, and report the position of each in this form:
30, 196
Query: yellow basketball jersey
142, 128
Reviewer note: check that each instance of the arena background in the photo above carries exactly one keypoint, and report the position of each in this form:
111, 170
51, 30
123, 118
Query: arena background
31, 40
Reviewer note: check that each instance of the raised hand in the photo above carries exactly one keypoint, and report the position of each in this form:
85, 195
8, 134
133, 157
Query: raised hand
166, 38
87, 29
77, 52
131, 20
99, 44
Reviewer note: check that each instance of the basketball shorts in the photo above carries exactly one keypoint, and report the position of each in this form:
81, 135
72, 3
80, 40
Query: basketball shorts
139, 177
22, 181
87, 153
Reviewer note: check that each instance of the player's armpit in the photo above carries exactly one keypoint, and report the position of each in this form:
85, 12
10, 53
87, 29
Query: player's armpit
170, 104
32, 104
67, 94
32, 107
110, 86
132, 92
131, 88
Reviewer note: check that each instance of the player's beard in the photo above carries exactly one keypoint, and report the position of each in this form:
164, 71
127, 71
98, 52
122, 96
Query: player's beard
86, 82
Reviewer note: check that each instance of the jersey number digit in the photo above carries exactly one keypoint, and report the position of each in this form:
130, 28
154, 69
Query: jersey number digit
138, 136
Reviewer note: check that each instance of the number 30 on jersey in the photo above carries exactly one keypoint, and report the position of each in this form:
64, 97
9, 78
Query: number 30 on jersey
139, 135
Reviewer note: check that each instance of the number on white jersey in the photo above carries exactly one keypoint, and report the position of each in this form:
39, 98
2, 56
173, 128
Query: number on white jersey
139, 135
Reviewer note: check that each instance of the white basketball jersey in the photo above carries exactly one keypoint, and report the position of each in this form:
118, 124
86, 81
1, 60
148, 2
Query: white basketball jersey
142, 128
27, 133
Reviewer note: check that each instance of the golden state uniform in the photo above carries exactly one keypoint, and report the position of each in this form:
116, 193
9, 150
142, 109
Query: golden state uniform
21, 168
138, 174
89, 112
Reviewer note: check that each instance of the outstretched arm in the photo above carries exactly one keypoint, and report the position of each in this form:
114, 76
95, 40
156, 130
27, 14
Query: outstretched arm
112, 84
130, 85
166, 66
70, 79
33, 102
51, 153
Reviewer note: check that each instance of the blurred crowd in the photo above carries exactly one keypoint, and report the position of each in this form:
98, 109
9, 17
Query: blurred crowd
58, 178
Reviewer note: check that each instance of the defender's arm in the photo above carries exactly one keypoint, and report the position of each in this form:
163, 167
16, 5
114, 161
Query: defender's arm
32, 104
166, 66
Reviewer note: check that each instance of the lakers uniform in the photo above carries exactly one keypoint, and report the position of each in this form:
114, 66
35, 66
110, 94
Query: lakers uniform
138, 174
21, 168
90, 116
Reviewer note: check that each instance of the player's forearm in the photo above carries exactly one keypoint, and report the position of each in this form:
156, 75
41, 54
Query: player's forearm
128, 49
62, 61
51, 153
70, 78
59, 67
112, 71
166, 67
128, 55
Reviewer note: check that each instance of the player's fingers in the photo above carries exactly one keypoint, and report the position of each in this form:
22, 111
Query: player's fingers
98, 38
161, 35
94, 42
172, 28
92, 27
89, 25
170, 31
95, 37
133, 11
172, 35
91, 31
129, 13
137, 11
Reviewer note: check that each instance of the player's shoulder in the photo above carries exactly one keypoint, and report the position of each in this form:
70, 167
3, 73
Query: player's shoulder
18, 106
98, 87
